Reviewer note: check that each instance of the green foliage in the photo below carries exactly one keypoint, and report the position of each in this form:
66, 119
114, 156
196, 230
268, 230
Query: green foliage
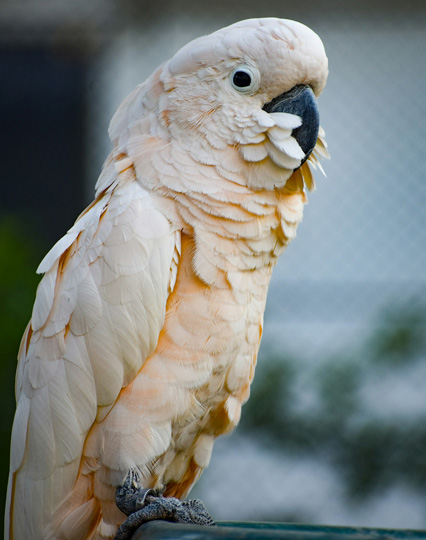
370, 451
18, 282
400, 337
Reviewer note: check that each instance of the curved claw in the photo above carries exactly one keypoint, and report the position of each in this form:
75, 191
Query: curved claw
131, 496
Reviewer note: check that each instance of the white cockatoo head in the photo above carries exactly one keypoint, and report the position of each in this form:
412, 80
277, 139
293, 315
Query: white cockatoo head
242, 99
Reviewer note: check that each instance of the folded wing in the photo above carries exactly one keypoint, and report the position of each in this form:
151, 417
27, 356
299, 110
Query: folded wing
97, 316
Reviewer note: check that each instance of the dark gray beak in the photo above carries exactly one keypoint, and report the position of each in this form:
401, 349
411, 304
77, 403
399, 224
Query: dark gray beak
301, 101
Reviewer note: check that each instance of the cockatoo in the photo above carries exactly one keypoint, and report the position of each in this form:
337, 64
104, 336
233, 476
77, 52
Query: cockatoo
146, 325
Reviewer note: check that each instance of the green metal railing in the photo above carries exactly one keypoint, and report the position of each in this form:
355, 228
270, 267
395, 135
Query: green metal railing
163, 530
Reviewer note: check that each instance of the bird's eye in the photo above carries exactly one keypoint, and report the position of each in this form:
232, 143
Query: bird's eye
245, 79
242, 79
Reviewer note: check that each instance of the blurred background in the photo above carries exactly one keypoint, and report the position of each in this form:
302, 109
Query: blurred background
335, 430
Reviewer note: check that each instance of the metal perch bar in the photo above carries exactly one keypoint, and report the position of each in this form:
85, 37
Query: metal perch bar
163, 530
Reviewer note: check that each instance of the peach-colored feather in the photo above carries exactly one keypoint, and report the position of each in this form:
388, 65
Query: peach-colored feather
146, 326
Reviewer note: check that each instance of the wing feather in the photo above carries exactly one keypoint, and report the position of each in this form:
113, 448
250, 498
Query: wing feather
98, 313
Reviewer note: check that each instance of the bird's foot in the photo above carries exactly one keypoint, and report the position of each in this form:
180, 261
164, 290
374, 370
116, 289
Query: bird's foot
142, 505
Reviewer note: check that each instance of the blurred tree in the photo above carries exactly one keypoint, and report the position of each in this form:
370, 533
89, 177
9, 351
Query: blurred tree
371, 451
